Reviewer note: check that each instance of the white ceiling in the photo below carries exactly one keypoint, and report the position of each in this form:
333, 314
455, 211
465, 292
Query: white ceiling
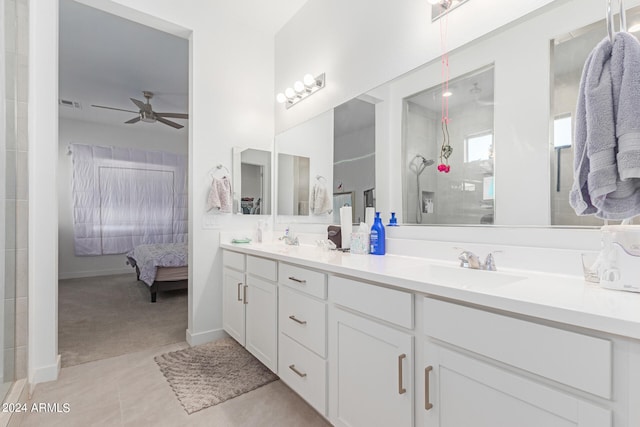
105, 60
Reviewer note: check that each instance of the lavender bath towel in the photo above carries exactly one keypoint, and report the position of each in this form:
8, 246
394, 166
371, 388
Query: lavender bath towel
607, 137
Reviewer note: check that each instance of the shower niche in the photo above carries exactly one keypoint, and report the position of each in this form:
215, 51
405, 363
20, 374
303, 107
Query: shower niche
465, 193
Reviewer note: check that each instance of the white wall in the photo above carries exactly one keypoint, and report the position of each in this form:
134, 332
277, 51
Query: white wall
146, 137
361, 44
231, 104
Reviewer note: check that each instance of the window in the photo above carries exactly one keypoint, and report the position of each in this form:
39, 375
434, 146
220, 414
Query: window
562, 131
478, 147
123, 197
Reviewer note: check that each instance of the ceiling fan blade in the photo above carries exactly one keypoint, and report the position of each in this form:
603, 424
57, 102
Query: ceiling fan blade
169, 122
134, 120
117, 109
173, 115
141, 105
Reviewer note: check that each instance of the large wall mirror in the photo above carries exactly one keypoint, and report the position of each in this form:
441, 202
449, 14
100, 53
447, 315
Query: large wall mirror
326, 163
510, 127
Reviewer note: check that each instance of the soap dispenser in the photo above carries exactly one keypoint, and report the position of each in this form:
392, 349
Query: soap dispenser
393, 221
377, 236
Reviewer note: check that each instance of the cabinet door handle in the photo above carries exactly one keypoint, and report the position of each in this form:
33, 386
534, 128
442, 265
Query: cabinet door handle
239, 296
300, 374
401, 389
427, 404
297, 280
302, 322
245, 294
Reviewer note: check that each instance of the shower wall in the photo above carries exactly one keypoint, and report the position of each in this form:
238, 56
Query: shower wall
15, 51
457, 196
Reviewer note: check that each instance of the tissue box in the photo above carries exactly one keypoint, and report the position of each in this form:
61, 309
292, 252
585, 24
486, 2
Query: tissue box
359, 243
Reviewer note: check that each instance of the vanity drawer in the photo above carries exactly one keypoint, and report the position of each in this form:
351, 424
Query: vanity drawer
387, 304
570, 358
309, 281
303, 371
303, 319
262, 267
233, 260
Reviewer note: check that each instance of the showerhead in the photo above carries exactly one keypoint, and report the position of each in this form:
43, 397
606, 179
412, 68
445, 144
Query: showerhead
421, 163
426, 162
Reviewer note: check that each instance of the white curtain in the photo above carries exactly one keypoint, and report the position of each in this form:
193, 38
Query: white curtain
123, 197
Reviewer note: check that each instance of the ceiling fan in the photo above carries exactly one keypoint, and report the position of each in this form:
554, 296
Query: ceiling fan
146, 113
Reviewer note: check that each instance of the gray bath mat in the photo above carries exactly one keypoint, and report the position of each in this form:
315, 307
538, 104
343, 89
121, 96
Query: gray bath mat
209, 374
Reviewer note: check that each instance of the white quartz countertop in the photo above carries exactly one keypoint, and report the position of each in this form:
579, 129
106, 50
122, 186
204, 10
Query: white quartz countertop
559, 298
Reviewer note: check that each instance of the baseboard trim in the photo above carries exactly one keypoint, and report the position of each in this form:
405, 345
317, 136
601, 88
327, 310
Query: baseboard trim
80, 274
205, 337
45, 374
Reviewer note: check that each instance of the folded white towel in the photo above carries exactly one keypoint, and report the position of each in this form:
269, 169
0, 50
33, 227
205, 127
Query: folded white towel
320, 202
220, 198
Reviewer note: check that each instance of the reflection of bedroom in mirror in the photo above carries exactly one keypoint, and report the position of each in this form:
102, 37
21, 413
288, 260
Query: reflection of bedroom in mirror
354, 154
253, 182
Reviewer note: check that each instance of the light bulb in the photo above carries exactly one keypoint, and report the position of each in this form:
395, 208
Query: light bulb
298, 86
281, 98
290, 93
309, 80
447, 94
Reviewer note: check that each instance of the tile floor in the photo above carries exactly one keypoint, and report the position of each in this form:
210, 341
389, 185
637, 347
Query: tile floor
130, 390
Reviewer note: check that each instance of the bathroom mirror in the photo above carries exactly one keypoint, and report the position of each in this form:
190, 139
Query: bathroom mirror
305, 165
526, 57
293, 185
463, 193
252, 181
341, 147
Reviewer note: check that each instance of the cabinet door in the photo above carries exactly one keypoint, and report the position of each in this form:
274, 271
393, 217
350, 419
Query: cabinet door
262, 321
233, 304
467, 392
371, 373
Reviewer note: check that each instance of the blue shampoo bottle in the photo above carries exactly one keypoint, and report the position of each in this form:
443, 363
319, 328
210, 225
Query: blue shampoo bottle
377, 236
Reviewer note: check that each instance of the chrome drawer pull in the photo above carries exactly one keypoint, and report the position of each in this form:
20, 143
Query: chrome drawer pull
300, 374
239, 296
302, 322
401, 389
297, 280
427, 404
245, 294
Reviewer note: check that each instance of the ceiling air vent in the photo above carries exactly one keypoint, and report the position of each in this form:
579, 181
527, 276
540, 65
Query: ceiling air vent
69, 104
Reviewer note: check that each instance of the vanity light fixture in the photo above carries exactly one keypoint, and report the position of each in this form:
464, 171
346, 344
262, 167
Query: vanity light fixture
301, 90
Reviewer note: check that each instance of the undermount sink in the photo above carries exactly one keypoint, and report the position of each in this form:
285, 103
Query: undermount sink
466, 278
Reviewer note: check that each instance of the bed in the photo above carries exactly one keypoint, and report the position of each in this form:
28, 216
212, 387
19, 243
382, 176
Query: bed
162, 266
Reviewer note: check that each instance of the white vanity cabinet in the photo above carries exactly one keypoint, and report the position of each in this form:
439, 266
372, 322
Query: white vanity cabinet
250, 305
490, 370
371, 355
302, 318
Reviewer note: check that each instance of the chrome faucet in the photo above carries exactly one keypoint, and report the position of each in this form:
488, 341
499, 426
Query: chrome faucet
470, 260
288, 239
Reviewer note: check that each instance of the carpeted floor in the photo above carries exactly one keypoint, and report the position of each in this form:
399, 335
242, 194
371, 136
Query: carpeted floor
208, 374
102, 317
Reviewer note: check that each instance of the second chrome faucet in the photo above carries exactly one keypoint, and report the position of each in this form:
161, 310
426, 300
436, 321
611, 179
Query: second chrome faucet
470, 260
